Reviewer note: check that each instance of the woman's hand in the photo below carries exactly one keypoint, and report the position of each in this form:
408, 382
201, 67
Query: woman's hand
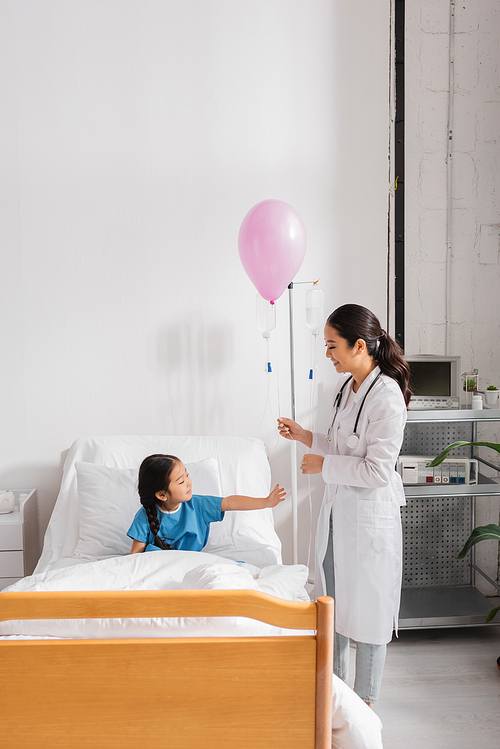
277, 495
290, 430
312, 463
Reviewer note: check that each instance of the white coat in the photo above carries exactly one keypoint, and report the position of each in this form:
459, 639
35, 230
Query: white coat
364, 494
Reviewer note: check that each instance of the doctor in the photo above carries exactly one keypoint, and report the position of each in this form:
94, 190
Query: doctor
358, 537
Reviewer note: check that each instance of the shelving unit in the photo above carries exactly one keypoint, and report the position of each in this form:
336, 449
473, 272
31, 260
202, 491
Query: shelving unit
439, 590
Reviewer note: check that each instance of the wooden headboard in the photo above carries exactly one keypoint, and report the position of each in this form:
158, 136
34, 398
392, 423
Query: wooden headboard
181, 693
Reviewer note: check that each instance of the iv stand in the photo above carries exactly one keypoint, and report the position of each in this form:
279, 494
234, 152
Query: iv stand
293, 456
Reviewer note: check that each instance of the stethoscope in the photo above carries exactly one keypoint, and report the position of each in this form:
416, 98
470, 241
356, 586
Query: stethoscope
353, 440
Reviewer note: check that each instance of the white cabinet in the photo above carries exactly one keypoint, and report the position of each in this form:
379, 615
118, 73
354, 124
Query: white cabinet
438, 590
19, 541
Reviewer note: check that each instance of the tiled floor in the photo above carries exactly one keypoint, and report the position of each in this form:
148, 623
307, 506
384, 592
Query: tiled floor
441, 689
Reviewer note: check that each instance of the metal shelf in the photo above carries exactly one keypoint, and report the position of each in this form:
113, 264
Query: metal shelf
463, 414
436, 523
425, 608
485, 488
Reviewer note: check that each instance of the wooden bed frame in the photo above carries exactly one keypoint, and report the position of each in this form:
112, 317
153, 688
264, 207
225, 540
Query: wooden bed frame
181, 693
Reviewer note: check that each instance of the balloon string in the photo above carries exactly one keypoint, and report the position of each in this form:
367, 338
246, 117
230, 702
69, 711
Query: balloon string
303, 450
277, 374
310, 528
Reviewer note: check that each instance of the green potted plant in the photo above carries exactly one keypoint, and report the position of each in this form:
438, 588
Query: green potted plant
482, 532
470, 386
491, 396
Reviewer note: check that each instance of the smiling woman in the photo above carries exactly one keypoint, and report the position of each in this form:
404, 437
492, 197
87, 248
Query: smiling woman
358, 537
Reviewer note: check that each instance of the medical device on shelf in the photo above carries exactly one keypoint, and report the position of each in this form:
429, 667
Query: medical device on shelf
435, 381
413, 469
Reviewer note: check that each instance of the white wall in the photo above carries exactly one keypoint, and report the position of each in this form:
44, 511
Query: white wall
474, 326
475, 268
135, 135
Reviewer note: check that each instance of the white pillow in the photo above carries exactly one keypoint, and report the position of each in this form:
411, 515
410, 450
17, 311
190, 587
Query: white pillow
109, 501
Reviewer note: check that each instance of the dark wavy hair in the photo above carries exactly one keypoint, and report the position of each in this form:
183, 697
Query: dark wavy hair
154, 476
353, 322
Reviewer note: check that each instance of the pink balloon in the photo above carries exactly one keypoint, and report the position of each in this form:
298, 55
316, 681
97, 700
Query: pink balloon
272, 245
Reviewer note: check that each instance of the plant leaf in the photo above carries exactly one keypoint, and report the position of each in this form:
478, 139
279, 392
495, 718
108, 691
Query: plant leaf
491, 614
481, 533
444, 454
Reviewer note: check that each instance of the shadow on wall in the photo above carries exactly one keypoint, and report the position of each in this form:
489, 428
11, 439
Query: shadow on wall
195, 361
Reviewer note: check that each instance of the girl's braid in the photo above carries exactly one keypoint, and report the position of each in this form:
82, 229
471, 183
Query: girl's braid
154, 525
154, 477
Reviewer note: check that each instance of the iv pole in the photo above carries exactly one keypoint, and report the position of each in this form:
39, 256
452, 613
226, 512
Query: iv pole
293, 456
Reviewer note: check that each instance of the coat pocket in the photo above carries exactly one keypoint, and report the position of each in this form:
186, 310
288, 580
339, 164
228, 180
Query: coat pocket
375, 514
376, 524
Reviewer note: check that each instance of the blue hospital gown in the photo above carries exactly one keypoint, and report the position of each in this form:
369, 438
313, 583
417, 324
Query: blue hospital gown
186, 528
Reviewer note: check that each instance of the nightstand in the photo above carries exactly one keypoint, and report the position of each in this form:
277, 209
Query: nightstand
19, 543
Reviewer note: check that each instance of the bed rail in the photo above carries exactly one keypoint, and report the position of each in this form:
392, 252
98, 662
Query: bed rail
219, 693
152, 603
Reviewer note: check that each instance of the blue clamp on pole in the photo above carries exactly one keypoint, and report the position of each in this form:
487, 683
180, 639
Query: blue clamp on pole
311, 374
269, 369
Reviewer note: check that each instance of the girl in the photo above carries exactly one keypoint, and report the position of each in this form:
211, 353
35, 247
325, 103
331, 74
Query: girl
358, 537
172, 517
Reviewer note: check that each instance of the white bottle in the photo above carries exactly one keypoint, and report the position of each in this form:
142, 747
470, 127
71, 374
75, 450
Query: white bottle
265, 316
477, 402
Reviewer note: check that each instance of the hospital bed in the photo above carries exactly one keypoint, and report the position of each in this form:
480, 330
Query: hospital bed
219, 648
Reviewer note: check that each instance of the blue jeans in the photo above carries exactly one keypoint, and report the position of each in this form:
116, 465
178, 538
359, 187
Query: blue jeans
370, 659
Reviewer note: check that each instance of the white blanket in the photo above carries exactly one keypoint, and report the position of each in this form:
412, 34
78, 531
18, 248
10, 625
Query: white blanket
161, 570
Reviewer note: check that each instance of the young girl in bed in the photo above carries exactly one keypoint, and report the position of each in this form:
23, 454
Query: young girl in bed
172, 517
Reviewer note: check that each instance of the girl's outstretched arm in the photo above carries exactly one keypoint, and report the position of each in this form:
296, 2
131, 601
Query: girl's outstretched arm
239, 502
